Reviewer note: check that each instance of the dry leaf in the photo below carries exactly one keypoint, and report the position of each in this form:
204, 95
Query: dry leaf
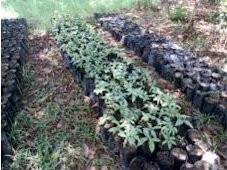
88, 152
91, 168
30, 110
47, 70
95, 105
104, 167
30, 143
42, 100
91, 154
39, 114
87, 99
60, 125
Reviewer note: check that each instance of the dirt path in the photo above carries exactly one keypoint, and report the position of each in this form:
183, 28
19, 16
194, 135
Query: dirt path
55, 129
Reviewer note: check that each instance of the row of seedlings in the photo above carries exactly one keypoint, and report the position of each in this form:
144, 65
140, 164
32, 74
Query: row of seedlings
138, 121
13, 50
205, 86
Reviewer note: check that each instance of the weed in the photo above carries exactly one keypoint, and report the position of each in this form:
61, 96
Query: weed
84, 132
221, 137
52, 110
97, 162
197, 43
212, 17
150, 4
42, 93
178, 13
79, 109
204, 119
222, 26
27, 74
24, 158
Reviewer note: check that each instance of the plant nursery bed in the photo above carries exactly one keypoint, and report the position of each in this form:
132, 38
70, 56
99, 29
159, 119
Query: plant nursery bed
139, 122
204, 86
208, 124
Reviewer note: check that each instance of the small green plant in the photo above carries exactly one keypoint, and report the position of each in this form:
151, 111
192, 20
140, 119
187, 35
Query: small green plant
196, 43
222, 20
221, 137
27, 74
41, 94
204, 119
52, 110
85, 132
178, 13
212, 17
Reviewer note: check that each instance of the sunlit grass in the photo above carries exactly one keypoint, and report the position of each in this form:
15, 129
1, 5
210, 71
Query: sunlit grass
39, 12
8, 13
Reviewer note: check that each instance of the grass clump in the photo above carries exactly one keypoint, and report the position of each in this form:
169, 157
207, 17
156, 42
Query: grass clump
178, 13
27, 74
204, 119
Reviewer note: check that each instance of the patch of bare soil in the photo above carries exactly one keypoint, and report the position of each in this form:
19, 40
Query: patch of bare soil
56, 129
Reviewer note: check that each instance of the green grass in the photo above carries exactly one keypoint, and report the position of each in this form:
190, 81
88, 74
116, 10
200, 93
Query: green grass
39, 12
204, 119
51, 137
27, 74
41, 144
178, 13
